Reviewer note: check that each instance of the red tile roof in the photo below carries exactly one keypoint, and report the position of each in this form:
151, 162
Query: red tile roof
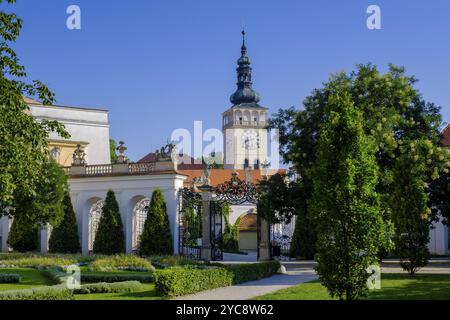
446, 136
219, 176
248, 222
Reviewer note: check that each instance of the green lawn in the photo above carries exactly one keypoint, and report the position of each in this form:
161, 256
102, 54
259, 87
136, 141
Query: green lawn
31, 278
393, 287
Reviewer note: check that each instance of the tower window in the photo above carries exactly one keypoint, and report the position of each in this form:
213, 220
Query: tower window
256, 165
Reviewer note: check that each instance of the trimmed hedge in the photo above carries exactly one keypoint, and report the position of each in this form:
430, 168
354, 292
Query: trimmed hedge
116, 278
59, 292
103, 287
182, 281
253, 271
9, 278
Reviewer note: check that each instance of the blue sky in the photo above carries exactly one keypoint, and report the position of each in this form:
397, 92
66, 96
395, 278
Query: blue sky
158, 65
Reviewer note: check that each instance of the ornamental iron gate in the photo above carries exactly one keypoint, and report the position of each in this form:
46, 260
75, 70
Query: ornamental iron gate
232, 192
190, 224
280, 239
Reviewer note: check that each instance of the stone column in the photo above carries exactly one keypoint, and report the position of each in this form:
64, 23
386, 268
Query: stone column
45, 237
5, 225
264, 242
206, 225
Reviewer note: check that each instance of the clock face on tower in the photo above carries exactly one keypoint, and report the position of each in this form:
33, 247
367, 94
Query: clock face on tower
250, 140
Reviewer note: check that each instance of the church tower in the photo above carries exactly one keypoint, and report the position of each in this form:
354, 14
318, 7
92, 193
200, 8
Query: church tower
244, 124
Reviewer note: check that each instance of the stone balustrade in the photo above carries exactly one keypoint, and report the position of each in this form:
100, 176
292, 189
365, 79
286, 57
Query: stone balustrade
120, 169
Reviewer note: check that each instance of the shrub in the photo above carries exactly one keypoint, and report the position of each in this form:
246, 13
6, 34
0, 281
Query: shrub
156, 238
103, 287
121, 262
64, 237
163, 262
144, 278
9, 278
253, 271
182, 281
59, 292
110, 238
23, 235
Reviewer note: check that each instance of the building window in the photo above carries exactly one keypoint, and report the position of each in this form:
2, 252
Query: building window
95, 214
256, 166
139, 216
246, 163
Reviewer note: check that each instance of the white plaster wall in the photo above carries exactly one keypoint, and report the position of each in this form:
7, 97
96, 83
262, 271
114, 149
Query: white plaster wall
127, 189
84, 125
439, 239
237, 211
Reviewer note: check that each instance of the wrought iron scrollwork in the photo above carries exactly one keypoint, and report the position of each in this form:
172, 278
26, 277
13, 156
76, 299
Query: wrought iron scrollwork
236, 191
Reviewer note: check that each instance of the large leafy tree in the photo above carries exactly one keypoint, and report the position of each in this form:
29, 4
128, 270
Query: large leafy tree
156, 238
409, 201
23, 140
394, 113
279, 201
64, 237
110, 238
346, 209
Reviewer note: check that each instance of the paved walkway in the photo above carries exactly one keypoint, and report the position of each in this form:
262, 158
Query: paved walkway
297, 272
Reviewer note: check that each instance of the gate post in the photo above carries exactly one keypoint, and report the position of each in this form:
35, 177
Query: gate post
206, 193
264, 243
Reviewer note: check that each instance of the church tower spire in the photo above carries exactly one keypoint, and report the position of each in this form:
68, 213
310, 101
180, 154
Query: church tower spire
245, 123
244, 93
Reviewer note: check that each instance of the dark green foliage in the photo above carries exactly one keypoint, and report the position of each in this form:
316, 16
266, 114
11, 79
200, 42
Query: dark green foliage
156, 238
110, 238
410, 202
106, 277
230, 232
59, 292
30, 211
345, 205
103, 287
281, 198
23, 140
193, 221
9, 278
394, 111
304, 238
64, 237
274, 202
23, 235
182, 281
112, 147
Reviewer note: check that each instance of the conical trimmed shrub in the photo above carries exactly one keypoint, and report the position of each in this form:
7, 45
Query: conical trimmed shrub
23, 235
64, 237
110, 238
156, 238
